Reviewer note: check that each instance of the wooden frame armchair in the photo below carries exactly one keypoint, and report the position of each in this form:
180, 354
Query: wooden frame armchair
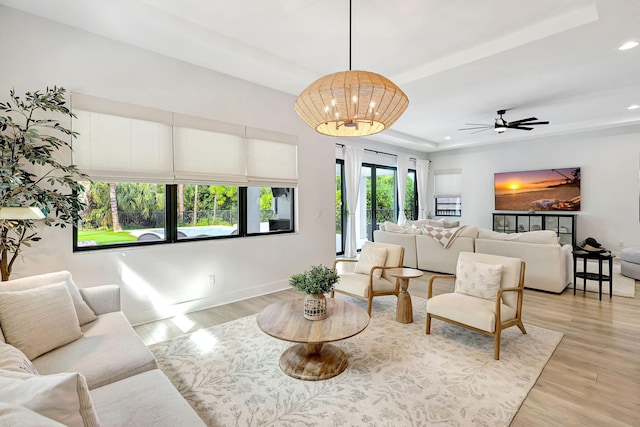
369, 285
481, 313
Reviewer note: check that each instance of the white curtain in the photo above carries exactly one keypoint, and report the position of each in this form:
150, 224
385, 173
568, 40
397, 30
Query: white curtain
422, 179
352, 174
402, 167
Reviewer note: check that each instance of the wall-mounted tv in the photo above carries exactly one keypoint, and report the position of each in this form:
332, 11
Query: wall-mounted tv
538, 190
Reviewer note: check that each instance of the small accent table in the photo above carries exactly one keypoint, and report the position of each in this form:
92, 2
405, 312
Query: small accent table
312, 359
599, 276
404, 309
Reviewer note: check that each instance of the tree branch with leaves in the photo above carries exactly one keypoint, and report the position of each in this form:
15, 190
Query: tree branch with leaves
31, 138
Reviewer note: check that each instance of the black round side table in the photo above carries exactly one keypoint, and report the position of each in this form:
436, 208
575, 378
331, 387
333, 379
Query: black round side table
599, 276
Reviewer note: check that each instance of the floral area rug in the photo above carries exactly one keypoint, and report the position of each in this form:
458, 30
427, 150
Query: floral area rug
397, 375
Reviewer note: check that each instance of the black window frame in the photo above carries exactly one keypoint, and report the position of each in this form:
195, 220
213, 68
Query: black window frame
171, 224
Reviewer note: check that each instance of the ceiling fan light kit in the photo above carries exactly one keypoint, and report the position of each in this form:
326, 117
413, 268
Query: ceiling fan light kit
351, 103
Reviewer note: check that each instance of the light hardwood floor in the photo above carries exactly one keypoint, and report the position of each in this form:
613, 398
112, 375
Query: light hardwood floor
592, 379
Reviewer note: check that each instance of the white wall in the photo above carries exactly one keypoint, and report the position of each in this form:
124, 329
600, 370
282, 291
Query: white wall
609, 162
39, 53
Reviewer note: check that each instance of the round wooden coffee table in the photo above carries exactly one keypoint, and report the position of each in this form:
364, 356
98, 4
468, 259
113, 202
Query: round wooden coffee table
312, 359
404, 308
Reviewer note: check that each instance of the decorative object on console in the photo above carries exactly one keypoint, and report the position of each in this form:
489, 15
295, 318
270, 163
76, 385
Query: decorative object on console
315, 283
351, 103
54, 188
538, 190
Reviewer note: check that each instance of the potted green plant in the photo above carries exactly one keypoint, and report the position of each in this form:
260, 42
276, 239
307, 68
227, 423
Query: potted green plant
31, 172
315, 283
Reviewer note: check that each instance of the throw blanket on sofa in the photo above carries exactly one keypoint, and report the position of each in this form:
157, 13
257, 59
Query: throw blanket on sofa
446, 236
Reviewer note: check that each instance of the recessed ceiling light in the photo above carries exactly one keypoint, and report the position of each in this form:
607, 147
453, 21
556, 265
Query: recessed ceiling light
633, 107
628, 45
448, 137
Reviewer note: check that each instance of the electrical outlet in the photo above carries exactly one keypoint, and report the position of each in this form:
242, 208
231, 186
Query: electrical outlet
212, 280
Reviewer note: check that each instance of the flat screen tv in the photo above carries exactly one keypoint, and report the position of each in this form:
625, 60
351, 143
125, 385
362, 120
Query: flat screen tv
538, 190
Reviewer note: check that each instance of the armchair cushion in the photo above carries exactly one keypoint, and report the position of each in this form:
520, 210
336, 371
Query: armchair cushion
478, 279
39, 320
358, 284
370, 257
476, 312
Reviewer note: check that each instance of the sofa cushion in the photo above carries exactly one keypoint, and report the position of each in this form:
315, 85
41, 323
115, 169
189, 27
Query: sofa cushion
16, 415
395, 228
478, 279
542, 236
83, 311
39, 320
451, 224
422, 222
108, 351
370, 257
12, 359
62, 397
146, 399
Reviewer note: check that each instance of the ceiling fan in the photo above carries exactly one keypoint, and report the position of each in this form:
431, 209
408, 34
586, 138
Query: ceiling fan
502, 125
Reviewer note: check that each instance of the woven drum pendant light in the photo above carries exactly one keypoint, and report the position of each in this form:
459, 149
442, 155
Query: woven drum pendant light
351, 103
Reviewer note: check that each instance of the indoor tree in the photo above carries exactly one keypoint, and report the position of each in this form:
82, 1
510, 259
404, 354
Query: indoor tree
32, 141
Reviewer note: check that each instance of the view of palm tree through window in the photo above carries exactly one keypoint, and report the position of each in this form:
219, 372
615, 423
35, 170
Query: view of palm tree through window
126, 213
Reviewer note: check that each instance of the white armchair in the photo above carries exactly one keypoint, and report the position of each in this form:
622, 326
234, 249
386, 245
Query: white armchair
367, 277
487, 297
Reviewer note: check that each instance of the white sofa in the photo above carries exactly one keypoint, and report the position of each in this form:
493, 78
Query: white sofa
69, 356
423, 251
549, 265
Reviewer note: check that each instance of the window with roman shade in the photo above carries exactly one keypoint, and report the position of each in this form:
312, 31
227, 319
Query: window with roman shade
123, 142
120, 142
448, 192
208, 151
162, 177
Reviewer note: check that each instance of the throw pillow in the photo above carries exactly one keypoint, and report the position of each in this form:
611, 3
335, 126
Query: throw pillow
16, 415
62, 397
83, 311
478, 279
12, 359
39, 320
371, 256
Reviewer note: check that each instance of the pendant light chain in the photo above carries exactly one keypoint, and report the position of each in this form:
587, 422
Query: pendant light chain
349, 35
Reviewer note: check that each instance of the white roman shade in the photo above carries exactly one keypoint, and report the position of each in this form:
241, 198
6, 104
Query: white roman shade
448, 183
208, 151
272, 158
121, 142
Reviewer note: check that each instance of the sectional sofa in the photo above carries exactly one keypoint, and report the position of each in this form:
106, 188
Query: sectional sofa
549, 265
68, 356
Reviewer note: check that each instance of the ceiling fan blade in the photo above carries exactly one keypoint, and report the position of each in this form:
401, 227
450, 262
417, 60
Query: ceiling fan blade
535, 123
479, 127
517, 122
481, 130
518, 127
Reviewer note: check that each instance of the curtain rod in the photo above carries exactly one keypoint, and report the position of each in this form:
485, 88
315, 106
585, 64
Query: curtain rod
381, 152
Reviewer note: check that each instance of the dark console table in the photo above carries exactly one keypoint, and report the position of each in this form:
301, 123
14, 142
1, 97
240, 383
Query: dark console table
599, 276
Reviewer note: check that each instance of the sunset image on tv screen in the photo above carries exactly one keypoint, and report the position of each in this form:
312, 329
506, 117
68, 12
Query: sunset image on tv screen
540, 190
